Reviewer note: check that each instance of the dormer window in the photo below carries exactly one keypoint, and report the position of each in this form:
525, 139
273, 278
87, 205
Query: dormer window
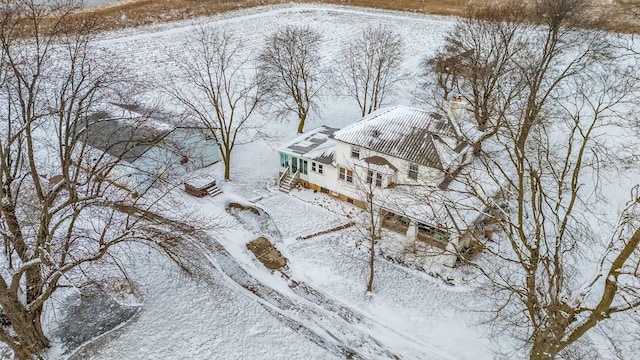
374, 176
355, 152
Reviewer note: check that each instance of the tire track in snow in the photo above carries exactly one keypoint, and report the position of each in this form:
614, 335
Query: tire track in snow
325, 328
340, 329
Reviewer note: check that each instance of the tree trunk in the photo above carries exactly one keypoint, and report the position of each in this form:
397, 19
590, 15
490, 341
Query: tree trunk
28, 340
541, 356
227, 169
301, 124
21, 352
544, 348
477, 148
371, 263
31, 345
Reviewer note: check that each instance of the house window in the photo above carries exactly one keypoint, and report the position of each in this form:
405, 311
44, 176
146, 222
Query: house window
320, 169
355, 152
371, 175
284, 160
313, 166
303, 166
413, 171
346, 175
436, 233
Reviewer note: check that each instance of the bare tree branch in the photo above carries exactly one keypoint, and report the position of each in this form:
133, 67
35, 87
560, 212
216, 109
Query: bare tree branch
370, 67
289, 64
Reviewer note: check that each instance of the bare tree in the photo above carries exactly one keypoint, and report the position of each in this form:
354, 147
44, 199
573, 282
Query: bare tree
290, 65
541, 180
361, 182
371, 226
478, 64
370, 66
219, 90
61, 211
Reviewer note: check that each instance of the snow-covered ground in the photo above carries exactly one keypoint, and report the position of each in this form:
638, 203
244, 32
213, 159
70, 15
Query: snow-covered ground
238, 309
185, 319
411, 314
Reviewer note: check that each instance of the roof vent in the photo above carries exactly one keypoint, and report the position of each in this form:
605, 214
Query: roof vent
376, 133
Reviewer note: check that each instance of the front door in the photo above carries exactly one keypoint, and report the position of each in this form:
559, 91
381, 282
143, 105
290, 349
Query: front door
294, 164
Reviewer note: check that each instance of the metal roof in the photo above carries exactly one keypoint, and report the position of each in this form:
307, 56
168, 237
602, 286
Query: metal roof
405, 133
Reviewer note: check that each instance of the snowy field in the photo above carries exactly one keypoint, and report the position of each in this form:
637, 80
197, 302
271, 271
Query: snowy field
237, 309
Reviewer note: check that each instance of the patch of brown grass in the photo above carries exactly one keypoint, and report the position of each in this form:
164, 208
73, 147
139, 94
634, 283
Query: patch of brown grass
439, 7
144, 12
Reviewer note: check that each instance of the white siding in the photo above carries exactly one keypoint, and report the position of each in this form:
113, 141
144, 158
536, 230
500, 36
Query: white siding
426, 175
328, 179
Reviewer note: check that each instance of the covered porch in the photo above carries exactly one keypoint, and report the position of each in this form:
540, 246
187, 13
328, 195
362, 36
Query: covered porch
415, 229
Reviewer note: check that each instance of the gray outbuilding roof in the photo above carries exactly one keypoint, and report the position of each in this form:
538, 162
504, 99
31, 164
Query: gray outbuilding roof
130, 136
121, 139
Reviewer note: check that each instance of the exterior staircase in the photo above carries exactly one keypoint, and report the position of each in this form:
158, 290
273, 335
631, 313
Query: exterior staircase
213, 190
287, 181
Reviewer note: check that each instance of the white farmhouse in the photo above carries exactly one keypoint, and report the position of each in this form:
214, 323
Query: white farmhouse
390, 150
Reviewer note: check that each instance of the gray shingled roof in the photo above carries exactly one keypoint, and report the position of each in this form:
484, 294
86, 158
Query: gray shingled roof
402, 132
316, 144
162, 115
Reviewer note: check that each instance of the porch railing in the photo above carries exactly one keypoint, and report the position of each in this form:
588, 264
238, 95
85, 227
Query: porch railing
296, 174
283, 176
